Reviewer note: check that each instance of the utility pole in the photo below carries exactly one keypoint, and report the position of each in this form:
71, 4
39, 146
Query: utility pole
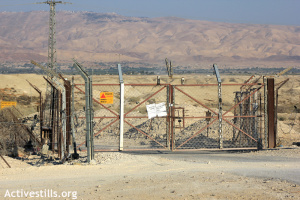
52, 32
51, 57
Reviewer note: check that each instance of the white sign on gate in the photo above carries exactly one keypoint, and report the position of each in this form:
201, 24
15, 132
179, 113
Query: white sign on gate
156, 110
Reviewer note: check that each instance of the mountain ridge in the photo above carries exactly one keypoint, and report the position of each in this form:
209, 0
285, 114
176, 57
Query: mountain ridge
109, 37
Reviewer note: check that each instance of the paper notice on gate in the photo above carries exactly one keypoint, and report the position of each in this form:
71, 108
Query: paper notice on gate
161, 110
151, 110
156, 110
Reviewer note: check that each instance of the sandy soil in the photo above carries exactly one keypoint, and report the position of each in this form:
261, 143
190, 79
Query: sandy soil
121, 175
265, 174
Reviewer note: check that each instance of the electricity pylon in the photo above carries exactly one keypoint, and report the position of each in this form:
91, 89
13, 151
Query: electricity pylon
49, 101
52, 32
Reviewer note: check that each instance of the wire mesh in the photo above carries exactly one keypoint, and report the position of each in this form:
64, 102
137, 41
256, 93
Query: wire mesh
287, 96
242, 115
106, 117
139, 131
192, 122
195, 117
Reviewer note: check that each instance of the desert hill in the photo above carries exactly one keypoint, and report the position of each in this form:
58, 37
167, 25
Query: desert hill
96, 37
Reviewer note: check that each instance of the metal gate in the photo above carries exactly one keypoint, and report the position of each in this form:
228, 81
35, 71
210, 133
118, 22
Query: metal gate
196, 122
140, 132
192, 120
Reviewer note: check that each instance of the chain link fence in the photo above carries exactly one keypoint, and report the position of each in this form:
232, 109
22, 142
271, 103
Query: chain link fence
191, 122
243, 111
195, 116
140, 132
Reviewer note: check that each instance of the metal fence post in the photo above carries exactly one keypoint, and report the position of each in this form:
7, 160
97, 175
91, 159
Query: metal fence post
91, 111
271, 114
75, 155
265, 114
216, 70
88, 111
168, 117
64, 124
121, 106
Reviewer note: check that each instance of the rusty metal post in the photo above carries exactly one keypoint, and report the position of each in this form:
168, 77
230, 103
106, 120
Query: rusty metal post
67, 85
168, 117
265, 113
75, 154
271, 114
172, 95
5, 161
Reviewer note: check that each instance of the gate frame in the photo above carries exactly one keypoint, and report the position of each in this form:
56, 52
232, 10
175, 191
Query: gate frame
218, 116
170, 118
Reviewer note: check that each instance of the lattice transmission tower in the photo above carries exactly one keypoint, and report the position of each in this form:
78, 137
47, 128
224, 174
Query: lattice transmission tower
52, 32
52, 59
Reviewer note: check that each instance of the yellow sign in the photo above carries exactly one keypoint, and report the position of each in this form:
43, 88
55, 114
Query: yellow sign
5, 104
106, 97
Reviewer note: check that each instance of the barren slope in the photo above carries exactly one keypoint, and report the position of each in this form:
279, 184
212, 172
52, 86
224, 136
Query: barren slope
99, 37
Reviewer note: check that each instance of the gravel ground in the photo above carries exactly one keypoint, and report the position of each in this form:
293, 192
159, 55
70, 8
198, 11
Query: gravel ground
161, 175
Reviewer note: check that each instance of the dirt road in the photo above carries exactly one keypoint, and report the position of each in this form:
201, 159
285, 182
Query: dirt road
161, 175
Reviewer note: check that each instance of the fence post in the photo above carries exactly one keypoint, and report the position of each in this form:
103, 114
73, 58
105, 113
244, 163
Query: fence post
64, 117
88, 111
216, 71
271, 114
265, 114
121, 106
168, 118
75, 155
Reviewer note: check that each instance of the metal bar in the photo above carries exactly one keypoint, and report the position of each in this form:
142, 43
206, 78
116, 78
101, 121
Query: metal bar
122, 94
144, 134
89, 110
63, 115
144, 101
265, 114
76, 155
220, 115
117, 117
165, 84
67, 85
5, 161
196, 134
248, 116
95, 84
247, 81
146, 84
172, 95
98, 102
271, 112
168, 118
242, 84
195, 100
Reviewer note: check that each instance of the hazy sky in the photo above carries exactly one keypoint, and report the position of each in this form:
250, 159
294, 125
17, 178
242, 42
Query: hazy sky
285, 12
